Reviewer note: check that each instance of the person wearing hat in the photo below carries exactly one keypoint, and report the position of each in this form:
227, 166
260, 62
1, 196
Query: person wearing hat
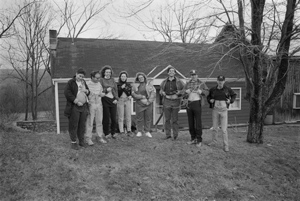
219, 98
195, 91
170, 89
76, 92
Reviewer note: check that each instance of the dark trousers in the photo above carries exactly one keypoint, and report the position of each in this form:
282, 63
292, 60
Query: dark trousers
77, 121
109, 116
171, 109
194, 117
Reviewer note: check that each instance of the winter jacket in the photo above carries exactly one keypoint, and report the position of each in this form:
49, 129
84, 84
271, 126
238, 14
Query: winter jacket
179, 85
70, 92
195, 86
229, 94
150, 89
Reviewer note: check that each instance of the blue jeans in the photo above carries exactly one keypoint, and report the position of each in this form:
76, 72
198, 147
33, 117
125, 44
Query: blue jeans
171, 109
124, 110
143, 117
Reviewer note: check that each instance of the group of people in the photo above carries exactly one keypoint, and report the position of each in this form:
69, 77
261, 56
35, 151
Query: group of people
109, 103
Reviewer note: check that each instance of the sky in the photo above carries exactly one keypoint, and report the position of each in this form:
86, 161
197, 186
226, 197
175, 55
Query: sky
114, 21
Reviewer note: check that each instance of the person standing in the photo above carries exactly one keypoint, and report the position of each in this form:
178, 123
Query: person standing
195, 91
95, 109
124, 103
76, 92
109, 101
144, 93
170, 89
219, 98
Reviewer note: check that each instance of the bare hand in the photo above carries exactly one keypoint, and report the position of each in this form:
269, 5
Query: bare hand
163, 93
123, 86
228, 101
212, 100
79, 104
188, 91
115, 102
199, 91
108, 89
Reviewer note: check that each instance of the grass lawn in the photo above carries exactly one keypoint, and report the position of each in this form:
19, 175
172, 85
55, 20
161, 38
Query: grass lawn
41, 166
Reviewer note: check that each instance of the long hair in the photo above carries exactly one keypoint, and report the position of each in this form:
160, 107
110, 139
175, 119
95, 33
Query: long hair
104, 68
123, 72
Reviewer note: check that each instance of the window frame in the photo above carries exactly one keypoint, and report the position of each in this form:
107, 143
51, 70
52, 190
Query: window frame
294, 101
132, 100
239, 98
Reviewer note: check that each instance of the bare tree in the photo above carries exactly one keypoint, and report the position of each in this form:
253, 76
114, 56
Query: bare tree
78, 18
28, 53
8, 18
177, 21
263, 40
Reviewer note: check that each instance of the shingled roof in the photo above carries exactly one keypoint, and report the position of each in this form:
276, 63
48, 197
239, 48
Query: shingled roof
135, 56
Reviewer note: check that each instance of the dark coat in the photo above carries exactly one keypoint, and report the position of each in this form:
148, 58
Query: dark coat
71, 90
229, 93
126, 90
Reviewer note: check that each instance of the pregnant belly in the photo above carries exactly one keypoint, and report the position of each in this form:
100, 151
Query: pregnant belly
81, 97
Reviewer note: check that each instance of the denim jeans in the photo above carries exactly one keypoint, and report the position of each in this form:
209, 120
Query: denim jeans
194, 111
124, 110
220, 114
144, 117
77, 121
171, 109
96, 113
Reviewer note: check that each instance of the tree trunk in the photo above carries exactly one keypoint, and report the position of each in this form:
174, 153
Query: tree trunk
256, 124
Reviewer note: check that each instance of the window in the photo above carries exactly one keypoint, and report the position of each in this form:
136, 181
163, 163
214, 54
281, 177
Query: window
237, 104
296, 101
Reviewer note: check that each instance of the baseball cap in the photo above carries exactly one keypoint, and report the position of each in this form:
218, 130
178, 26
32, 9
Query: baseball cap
193, 72
221, 78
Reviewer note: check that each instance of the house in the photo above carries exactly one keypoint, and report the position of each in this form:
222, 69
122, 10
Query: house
152, 58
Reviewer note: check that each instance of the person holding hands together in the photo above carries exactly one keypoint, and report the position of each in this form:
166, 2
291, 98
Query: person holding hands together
219, 98
109, 101
76, 92
144, 93
195, 91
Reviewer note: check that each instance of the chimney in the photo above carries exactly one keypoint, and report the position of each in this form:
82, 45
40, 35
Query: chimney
53, 39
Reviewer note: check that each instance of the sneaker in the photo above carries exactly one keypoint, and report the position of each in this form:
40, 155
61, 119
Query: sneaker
198, 144
226, 149
191, 142
90, 142
139, 134
102, 141
74, 146
175, 137
167, 137
148, 134
113, 136
84, 145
